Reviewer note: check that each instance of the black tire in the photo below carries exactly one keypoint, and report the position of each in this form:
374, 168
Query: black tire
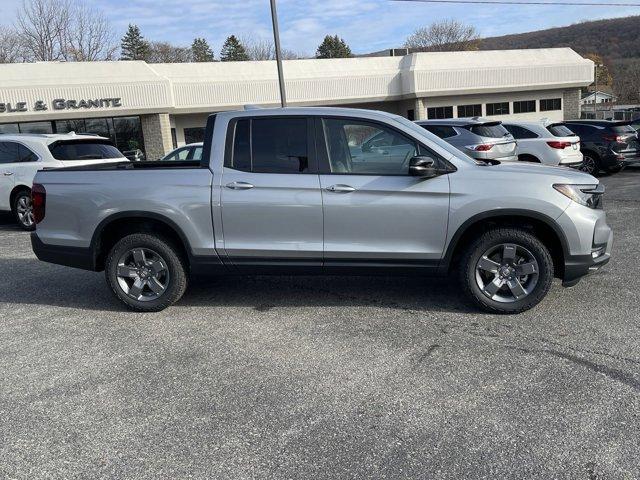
23, 218
591, 163
495, 238
170, 259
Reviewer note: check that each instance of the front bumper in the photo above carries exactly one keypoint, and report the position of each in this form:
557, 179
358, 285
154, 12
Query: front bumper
578, 266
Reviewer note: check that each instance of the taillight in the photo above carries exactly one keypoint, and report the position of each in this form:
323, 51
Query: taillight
480, 148
613, 138
38, 201
559, 145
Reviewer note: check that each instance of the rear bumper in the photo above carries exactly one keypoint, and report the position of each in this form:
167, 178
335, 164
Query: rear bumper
76, 257
631, 161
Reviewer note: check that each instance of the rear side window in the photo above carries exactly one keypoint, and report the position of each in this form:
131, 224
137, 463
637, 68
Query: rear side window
492, 130
271, 145
560, 131
13, 152
83, 150
441, 131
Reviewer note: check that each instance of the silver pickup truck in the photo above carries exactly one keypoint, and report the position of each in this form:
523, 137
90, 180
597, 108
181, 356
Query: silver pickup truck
323, 191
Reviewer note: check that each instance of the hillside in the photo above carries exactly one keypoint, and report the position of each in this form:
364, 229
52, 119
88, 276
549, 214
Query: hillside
613, 39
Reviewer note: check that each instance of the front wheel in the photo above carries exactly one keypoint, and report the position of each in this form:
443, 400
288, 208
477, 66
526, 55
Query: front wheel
23, 210
506, 270
146, 272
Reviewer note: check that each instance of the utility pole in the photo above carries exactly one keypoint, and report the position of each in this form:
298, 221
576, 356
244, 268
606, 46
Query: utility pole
276, 40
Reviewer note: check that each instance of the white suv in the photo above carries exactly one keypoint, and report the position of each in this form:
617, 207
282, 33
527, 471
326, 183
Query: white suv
548, 143
22, 155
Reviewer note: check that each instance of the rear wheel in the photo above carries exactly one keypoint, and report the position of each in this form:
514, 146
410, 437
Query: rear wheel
146, 272
590, 163
23, 210
506, 270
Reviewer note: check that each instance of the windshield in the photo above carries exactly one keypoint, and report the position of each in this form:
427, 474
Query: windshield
560, 131
84, 150
491, 130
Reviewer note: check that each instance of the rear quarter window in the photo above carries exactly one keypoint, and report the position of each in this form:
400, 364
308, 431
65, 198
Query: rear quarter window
623, 129
560, 131
84, 150
489, 130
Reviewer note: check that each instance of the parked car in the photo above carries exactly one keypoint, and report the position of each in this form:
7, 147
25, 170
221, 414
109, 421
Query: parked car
606, 145
282, 193
136, 155
21, 155
550, 144
193, 151
477, 137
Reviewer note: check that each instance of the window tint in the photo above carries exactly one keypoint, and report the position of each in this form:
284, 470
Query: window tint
439, 112
279, 145
441, 131
550, 104
197, 154
242, 146
561, 131
363, 148
519, 132
524, 106
83, 150
501, 108
469, 110
493, 130
14, 152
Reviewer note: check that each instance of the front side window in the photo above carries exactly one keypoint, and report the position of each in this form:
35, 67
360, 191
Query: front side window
83, 150
355, 147
13, 152
524, 106
501, 108
270, 145
548, 104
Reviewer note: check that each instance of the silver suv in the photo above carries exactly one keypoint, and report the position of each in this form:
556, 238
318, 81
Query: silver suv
323, 190
477, 137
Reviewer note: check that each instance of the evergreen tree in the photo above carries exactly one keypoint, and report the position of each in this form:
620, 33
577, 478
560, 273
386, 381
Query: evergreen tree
133, 45
333, 47
201, 51
233, 51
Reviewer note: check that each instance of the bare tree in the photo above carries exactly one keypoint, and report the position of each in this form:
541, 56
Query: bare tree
626, 80
163, 52
262, 49
12, 48
89, 36
447, 35
43, 25
64, 30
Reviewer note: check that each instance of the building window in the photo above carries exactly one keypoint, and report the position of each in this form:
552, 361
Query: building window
128, 134
470, 110
411, 114
524, 106
9, 128
547, 104
501, 108
439, 112
193, 135
36, 127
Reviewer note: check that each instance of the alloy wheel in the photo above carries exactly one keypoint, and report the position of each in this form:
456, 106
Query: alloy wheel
507, 273
24, 210
142, 274
589, 165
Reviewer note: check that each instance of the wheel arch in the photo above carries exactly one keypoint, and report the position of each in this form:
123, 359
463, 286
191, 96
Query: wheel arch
541, 225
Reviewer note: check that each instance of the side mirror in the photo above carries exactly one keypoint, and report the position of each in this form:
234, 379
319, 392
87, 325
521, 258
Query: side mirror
423, 167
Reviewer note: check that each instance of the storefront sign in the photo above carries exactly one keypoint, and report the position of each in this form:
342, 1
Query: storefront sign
61, 104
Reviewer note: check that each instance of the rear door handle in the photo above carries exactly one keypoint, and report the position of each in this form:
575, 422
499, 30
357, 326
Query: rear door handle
8, 174
239, 185
340, 188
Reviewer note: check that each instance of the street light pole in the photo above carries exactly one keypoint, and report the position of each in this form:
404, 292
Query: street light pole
276, 39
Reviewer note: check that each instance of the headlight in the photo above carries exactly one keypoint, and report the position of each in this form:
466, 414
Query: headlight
587, 195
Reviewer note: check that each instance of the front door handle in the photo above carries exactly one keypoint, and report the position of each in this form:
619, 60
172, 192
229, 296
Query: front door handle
8, 174
340, 188
239, 185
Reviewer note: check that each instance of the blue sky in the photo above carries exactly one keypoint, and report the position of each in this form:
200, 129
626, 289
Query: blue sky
366, 25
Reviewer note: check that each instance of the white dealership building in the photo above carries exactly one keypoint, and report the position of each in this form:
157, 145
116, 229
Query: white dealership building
155, 107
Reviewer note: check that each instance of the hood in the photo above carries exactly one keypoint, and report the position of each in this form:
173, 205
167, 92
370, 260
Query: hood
560, 174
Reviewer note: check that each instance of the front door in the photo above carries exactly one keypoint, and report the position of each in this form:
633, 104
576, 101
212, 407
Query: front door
8, 156
375, 213
271, 200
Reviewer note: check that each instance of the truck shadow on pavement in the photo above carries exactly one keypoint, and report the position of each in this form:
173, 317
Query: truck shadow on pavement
29, 281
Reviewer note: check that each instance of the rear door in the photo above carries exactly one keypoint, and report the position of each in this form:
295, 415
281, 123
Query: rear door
271, 201
375, 213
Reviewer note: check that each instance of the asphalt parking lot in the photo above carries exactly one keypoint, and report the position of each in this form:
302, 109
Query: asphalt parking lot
287, 377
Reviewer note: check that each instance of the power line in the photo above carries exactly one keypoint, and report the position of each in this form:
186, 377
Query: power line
528, 2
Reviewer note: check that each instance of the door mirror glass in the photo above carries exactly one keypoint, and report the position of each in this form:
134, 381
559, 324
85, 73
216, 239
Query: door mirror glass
423, 167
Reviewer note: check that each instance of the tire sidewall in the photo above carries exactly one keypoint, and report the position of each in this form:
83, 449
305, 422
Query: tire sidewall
19, 195
169, 253
517, 237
